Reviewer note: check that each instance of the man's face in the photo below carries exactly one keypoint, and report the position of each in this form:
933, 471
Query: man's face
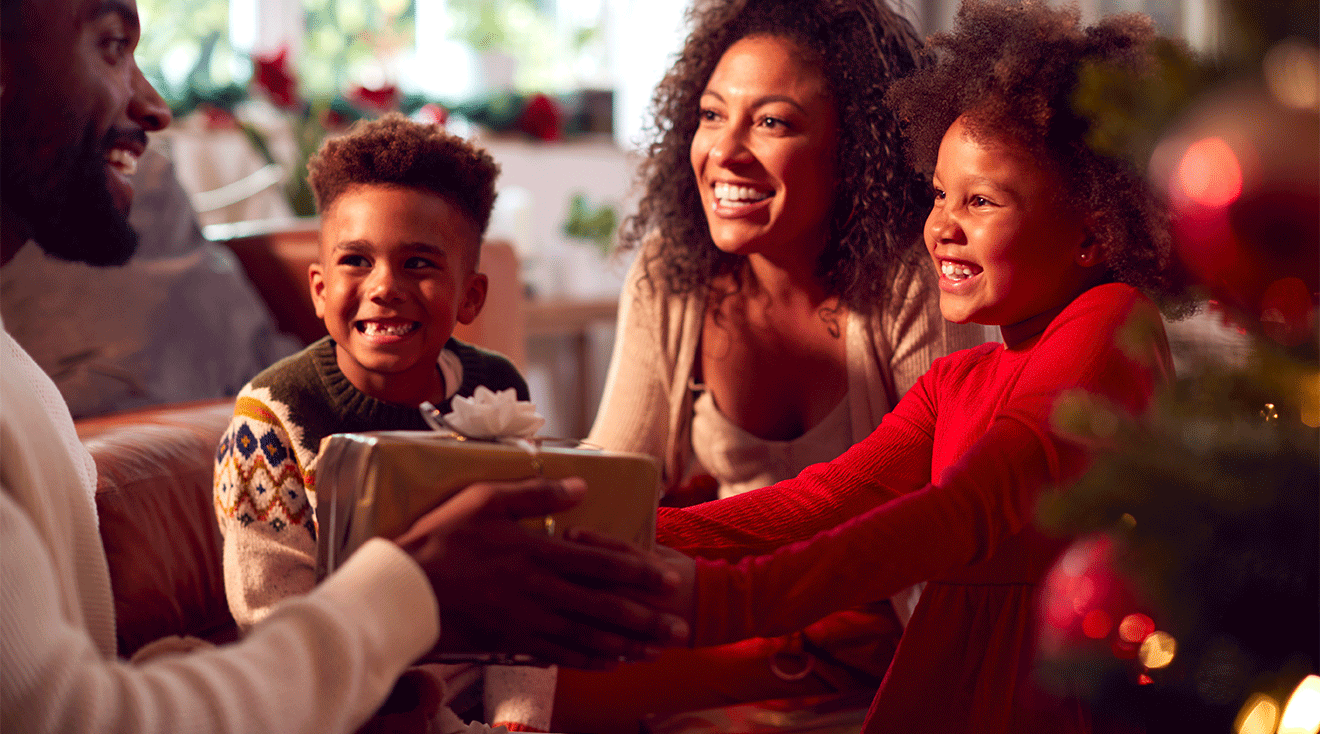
76, 110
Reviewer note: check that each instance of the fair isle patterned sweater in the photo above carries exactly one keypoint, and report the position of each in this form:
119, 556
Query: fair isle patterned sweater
265, 469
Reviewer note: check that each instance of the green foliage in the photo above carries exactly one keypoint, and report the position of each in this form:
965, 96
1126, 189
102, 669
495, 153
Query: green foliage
1214, 499
597, 224
1129, 111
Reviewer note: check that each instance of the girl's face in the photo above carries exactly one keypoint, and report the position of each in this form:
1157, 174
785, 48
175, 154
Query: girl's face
763, 154
1009, 251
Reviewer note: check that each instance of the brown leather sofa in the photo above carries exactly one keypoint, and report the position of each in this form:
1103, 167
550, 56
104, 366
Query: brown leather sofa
158, 525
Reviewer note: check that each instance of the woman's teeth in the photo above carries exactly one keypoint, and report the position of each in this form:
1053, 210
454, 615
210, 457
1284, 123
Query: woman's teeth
954, 271
373, 328
730, 195
123, 160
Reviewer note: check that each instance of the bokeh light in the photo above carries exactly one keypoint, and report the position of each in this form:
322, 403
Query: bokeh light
1158, 650
1302, 713
1135, 628
1083, 591
1096, 624
1292, 72
1209, 173
1259, 715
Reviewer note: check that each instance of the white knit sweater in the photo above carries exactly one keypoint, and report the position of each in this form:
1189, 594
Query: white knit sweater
321, 663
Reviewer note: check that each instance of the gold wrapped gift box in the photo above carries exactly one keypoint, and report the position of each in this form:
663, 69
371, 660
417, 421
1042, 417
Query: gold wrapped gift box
378, 483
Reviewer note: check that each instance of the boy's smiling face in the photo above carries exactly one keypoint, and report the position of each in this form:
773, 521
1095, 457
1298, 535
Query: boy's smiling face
1009, 250
396, 273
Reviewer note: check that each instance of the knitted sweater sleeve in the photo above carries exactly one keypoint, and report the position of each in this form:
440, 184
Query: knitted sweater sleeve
262, 505
986, 496
320, 663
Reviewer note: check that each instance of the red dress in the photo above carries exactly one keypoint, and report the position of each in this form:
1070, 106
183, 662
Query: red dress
945, 490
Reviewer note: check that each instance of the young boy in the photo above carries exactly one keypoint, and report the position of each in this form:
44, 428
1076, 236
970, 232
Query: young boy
403, 210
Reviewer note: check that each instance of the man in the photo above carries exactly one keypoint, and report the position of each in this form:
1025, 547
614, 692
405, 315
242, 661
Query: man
74, 112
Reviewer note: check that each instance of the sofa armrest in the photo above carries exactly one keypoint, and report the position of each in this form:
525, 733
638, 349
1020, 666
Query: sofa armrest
157, 520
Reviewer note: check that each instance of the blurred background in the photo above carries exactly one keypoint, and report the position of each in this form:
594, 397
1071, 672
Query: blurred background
558, 91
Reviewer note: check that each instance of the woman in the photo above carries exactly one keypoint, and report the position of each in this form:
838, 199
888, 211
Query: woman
775, 312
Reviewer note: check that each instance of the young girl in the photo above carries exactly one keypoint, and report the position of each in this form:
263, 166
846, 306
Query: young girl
1035, 232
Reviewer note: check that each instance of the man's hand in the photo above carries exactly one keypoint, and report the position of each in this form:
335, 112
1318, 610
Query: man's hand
504, 588
680, 598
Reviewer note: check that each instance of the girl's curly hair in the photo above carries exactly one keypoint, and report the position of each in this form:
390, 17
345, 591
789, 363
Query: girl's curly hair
1013, 71
395, 151
861, 46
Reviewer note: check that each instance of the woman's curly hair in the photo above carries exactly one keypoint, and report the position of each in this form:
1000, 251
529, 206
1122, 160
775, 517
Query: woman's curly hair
395, 151
1013, 71
862, 46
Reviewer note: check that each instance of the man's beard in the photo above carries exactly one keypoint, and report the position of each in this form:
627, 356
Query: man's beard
68, 206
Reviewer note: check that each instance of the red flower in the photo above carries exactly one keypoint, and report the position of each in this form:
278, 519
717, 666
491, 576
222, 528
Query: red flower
382, 99
217, 118
433, 114
541, 118
272, 75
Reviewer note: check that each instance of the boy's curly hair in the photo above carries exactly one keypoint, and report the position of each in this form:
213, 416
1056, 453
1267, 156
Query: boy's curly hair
1013, 70
861, 47
395, 151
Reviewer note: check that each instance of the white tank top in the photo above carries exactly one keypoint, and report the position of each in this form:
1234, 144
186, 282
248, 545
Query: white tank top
740, 461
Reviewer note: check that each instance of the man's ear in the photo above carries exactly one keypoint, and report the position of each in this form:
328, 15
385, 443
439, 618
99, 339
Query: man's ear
474, 297
316, 284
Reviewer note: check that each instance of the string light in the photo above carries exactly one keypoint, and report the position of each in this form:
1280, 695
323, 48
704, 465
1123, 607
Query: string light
1158, 650
1209, 173
1302, 713
1259, 715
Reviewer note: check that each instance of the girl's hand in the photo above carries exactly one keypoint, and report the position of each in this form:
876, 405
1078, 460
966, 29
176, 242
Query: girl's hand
680, 570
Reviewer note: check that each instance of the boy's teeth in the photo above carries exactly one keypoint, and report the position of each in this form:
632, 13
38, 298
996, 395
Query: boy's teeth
726, 193
954, 271
123, 160
375, 328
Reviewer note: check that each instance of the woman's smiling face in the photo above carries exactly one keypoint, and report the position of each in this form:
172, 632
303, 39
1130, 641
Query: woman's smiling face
763, 154
1008, 250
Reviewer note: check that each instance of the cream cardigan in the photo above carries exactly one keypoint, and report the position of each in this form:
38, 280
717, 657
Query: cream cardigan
647, 404
320, 663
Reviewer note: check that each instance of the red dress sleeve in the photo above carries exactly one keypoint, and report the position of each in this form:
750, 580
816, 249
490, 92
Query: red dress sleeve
893, 460
984, 496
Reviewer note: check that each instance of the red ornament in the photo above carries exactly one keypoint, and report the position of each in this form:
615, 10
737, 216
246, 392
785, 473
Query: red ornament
1089, 610
1242, 174
272, 75
541, 118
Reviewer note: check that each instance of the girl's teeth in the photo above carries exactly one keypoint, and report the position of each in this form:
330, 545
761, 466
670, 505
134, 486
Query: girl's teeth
372, 328
954, 271
728, 194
